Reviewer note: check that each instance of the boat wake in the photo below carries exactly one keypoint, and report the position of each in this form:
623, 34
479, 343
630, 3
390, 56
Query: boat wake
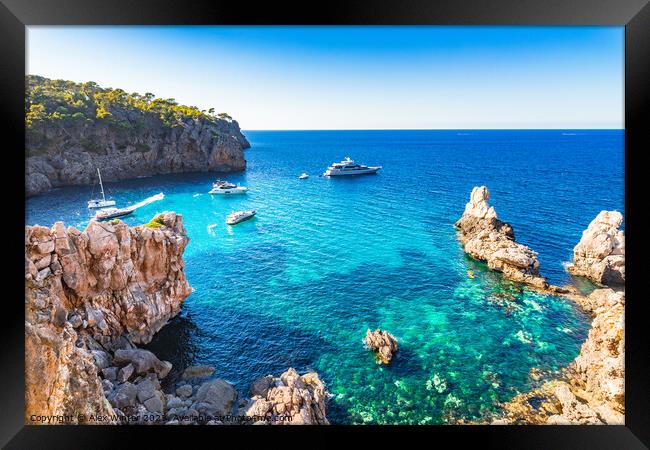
146, 201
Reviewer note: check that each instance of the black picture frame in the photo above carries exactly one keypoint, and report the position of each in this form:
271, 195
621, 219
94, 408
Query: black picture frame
15, 15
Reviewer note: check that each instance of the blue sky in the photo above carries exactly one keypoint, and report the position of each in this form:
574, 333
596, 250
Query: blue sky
437, 77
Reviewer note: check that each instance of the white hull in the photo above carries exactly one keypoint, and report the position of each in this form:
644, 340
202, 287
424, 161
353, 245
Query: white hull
100, 203
233, 191
338, 173
246, 215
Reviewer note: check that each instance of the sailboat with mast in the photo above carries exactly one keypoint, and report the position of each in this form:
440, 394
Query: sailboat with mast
100, 203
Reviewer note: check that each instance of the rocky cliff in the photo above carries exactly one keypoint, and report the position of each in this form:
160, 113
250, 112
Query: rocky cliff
89, 292
600, 254
90, 296
74, 129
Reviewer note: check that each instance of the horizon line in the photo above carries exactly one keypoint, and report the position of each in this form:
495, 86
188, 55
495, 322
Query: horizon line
434, 129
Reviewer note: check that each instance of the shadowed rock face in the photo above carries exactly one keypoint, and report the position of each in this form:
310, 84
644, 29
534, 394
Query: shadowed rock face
86, 288
70, 155
600, 254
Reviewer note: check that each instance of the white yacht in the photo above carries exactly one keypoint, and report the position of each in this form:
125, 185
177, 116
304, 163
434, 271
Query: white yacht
224, 187
303, 176
240, 216
100, 203
349, 167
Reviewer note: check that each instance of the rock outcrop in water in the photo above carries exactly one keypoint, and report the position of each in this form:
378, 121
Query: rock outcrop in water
600, 254
488, 239
382, 343
73, 129
91, 292
592, 388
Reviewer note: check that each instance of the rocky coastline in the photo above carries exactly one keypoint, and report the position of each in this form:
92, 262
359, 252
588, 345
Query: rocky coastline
124, 136
90, 297
591, 390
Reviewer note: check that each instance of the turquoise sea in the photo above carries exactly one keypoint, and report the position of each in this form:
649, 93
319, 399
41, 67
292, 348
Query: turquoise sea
325, 259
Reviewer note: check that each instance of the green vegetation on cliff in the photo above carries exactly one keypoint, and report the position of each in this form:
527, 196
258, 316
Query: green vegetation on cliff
78, 103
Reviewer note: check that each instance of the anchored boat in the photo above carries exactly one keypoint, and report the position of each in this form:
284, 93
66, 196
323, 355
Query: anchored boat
240, 216
349, 167
96, 203
303, 176
224, 187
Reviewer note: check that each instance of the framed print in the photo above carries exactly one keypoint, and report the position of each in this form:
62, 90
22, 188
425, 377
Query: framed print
381, 218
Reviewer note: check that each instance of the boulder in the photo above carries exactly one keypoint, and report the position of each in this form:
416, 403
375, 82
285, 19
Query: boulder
290, 399
124, 395
125, 373
382, 343
146, 390
143, 361
600, 254
184, 391
216, 397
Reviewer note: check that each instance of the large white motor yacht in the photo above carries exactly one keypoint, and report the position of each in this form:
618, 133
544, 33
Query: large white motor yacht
349, 167
224, 187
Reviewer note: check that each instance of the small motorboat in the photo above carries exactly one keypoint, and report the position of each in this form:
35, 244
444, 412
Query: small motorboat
113, 213
240, 216
470, 274
303, 176
224, 187
100, 203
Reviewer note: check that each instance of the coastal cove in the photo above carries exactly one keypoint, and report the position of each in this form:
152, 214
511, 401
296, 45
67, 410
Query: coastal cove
325, 259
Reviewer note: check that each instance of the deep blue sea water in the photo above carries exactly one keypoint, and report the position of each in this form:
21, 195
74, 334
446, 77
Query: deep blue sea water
325, 259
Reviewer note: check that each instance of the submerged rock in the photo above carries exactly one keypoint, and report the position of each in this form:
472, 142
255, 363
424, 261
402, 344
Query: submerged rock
382, 343
197, 372
600, 254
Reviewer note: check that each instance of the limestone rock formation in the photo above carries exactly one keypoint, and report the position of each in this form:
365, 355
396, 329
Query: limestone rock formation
91, 292
382, 343
302, 398
60, 378
592, 388
117, 280
488, 239
600, 254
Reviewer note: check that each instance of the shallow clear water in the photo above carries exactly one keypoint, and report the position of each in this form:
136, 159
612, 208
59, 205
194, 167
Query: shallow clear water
327, 258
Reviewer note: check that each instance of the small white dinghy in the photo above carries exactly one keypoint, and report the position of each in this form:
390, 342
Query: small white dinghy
100, 203
303, 176
240, 216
